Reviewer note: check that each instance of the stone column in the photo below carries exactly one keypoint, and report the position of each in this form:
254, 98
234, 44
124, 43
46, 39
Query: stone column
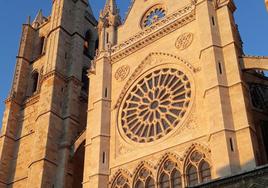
96, 170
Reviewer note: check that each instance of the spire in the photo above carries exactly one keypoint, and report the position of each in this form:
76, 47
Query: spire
39, 19
110, 13
110, 7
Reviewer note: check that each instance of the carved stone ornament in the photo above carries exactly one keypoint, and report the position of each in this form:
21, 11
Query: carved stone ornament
122, 72
155, 105
184, 41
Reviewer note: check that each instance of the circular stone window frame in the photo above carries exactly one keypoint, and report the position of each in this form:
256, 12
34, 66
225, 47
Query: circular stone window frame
147, 12
168, 65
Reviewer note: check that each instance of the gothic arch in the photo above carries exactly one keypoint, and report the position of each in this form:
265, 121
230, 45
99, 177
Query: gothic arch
169, 172
152, 60
197, 164
199, 147
77, 164
121, 179
79, 141
144, 176
169, 155
34, 82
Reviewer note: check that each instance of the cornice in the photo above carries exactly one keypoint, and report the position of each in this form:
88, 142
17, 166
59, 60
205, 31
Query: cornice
32, 100
167, 25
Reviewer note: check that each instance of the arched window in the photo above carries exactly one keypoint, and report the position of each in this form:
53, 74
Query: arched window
96, 45
85, 79
192, 176
150, 183
144, 179
35, 77
176, 181
170, 175
198, 169
205, 173
42, 46
121, 182
164, 181
87, 44
139, 184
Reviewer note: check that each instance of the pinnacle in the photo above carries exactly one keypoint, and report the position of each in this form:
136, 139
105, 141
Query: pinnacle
39, 17
111, 6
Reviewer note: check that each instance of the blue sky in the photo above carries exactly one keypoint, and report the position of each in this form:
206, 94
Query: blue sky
251, 18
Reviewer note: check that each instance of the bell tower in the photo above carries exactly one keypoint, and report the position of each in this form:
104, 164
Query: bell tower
97, 145
46, 108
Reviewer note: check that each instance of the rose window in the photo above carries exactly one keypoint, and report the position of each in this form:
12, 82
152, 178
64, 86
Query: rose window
155, 105
153, 15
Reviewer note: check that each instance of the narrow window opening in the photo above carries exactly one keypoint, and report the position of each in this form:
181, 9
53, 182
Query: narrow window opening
220, 67
107, 38
213, 20
205, 173
35, 77
103, 157
106, 93
231, 144
65, 55
42, 42
87, 44
85, 80
96, 46
264, 131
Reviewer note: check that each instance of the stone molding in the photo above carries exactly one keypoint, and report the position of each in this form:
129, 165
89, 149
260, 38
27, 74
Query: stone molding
153, 33
119, 172
254, 62
181, 161
150, 60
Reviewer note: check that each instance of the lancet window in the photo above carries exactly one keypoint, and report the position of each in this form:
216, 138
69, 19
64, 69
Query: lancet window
170, 175
144, 179
198, 169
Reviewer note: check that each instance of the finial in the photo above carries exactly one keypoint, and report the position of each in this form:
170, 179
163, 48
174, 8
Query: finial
28, 20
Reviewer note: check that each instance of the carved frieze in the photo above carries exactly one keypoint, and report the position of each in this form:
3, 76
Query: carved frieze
158, 30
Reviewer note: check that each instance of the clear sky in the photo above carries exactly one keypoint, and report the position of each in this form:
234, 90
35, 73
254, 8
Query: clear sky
251, 17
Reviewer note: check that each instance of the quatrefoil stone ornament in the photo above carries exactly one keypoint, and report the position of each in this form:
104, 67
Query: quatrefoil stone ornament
184, 41
122, 72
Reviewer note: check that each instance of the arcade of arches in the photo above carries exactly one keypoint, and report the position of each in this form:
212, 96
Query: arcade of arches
171, 172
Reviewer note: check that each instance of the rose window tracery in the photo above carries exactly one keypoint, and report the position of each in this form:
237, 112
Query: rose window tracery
155, 105
153, 15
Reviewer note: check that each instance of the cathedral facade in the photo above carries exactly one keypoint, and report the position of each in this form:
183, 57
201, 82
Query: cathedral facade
165, 99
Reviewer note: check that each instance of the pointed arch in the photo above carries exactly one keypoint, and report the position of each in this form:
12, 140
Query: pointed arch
169, 171
143, 176
152, 60
33, 83
90, 44
121, 179
196, 164
199, 147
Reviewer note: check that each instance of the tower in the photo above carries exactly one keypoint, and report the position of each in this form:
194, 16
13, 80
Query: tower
97, 145
46, 109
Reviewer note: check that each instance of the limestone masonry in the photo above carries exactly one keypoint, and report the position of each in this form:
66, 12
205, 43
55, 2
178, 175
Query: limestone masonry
166, 98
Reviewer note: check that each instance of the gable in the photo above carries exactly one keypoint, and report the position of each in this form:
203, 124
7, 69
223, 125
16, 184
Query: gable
138, 10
